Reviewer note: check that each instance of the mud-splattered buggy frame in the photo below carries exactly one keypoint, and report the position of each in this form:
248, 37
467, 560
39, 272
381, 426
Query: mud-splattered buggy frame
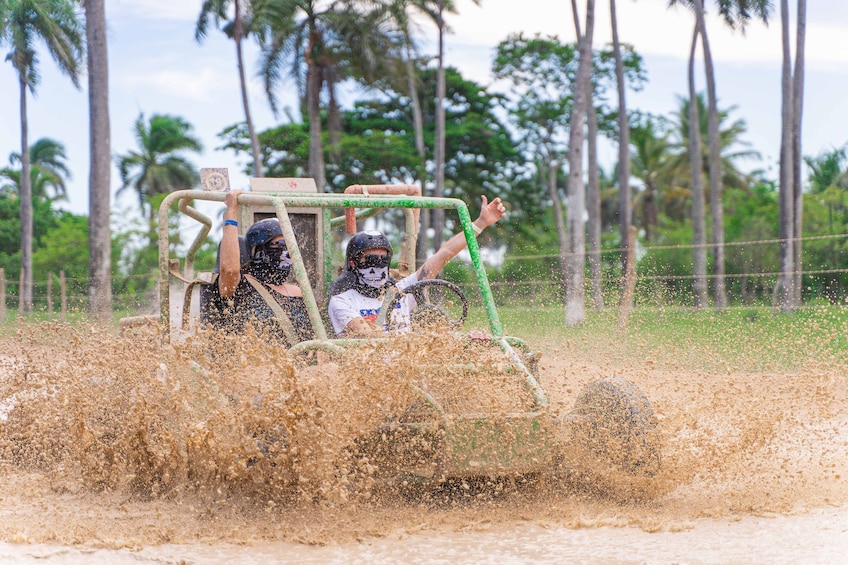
457, 445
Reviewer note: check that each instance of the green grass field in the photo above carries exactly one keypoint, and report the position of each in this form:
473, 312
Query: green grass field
736, 339
752, 339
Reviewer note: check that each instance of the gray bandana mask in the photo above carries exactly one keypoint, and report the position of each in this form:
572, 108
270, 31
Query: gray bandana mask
271, 265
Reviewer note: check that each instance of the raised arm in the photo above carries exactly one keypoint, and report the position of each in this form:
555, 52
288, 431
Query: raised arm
230, 266
490, 213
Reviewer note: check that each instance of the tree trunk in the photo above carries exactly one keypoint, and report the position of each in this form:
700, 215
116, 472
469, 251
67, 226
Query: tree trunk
316, 148
575, 307
334, 121
625, 204
423, 242
696, 168
784, 290
99, 180
254, 139
415, 102
714, 165
25, 292
593, 209
559, 221
797, 155
438, 215
593, 204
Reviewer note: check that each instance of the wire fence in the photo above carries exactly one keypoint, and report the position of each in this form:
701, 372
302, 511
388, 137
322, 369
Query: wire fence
662, 279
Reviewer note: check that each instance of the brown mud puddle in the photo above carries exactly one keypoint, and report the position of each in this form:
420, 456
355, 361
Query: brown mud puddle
121, 444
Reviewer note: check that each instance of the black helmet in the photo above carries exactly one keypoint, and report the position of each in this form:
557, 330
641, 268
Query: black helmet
261, 233
366, 240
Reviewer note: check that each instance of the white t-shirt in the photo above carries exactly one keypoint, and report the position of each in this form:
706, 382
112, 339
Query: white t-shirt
350, 304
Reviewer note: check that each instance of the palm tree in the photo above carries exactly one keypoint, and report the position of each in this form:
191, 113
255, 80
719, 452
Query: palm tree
651, 156
829, 178
729, 137
99, 184
48, 170
731, 145
593, 188
797, 115
400, 11
158, 166
50, 158
625, 204
696, 179
734, 12
237, 30
787, 291
575, 307
439, 149
22, 23
325, 41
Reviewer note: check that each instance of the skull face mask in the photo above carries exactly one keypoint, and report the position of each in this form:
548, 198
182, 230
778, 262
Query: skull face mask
372, 274
375, 277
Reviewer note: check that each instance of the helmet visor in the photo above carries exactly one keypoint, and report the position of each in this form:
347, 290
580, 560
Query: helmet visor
373, 260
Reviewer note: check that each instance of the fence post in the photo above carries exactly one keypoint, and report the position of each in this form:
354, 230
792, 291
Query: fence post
21, 294
2, 295
63, 293
49, 295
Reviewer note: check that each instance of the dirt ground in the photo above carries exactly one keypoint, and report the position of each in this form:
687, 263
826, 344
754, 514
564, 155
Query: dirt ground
120, 450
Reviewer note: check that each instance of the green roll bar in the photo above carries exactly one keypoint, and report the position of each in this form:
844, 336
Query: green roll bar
367, 205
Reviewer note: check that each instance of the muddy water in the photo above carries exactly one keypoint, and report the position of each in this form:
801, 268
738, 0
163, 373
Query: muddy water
121, 450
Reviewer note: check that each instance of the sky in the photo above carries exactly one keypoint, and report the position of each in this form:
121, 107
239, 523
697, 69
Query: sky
156, 66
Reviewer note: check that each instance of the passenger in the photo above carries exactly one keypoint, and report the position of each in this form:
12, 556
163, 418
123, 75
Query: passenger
354, 310
266, 273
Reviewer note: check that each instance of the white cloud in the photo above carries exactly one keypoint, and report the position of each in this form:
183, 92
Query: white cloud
176, 10
202, 85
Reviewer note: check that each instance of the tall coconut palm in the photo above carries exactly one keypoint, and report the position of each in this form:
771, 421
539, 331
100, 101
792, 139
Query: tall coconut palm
322, 43
236, 29
593, 188
575, 307
787, 292
22, 24
100, 158
797, 115
731, 148
438, 214
624, 199
734, 12
401, 12
699, 227
158, 166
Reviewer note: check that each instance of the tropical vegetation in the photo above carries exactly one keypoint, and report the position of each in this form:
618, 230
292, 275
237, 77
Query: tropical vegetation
708, 232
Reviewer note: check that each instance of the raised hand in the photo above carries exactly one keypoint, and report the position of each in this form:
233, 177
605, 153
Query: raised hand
491, 212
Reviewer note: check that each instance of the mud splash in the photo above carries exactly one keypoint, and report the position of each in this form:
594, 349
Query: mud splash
120, 442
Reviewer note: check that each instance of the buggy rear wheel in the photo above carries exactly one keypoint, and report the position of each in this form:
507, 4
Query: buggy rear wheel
615, 437
616, 422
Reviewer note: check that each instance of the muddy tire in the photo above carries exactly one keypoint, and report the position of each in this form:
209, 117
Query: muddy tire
615, 437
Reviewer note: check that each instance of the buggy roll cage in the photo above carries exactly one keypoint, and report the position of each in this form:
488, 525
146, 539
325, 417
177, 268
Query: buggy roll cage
356, 198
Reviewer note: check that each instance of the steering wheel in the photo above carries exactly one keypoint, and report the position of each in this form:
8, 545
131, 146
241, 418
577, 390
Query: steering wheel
425, 311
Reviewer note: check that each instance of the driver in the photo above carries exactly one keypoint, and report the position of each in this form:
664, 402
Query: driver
355, 311
259, 291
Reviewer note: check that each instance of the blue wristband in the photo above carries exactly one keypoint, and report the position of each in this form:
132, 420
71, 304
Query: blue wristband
230, 223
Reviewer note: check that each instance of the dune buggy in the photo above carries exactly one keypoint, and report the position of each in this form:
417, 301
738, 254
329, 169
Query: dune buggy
612, 424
